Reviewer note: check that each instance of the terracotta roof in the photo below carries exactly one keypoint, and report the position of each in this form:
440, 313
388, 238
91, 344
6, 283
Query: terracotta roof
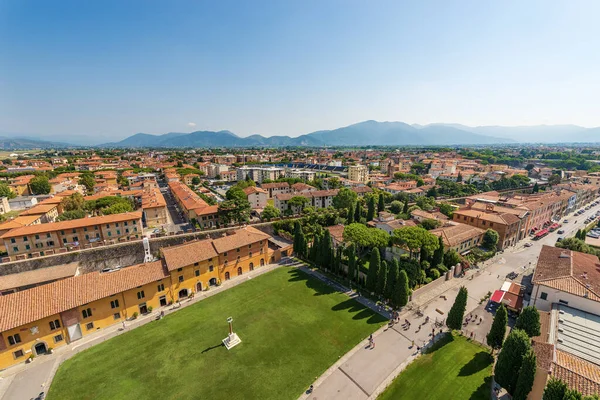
38, 276
300, 187
544, 327
153, 198
569, 271
188, 253
454, 235
577, 373
31, 305
275, 185
241, 237
19, 222
544, 353
186, 196
253, 189
503, 218
40, 209
337, 232
72, 224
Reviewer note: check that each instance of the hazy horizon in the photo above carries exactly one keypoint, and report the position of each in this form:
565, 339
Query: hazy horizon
99, 72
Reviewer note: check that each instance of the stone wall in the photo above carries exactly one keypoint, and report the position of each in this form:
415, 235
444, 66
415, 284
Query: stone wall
121, 254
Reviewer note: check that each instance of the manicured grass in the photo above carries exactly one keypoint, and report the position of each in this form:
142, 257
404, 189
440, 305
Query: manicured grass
454, 368
293, 327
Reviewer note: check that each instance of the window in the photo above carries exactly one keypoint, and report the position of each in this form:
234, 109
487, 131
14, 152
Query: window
14, 339
37, 237
85, 228
27, 247
563, 302
25, 238
12, 240
58, 338
225, 254
195, 264
544, 296
238, 249
117, 224
118, 231
54, 324
161, 287
211, 268
135, 229
87, 313
87, 237
179, 269
109, 233
74, 231
114, 304
107, 226
18, 354
89, 326
62, 232
180, 278
250, 254
125, 223
140, 294
250, 246
75, 239
127, 230
15, 248
117, 316
47, 235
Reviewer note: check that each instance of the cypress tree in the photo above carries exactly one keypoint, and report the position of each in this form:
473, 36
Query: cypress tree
350, 217
510, 359
438, 255
357, 212
371, 209
424, 255
392, 278
351, 254
381, 203
338, 261
297, 230
405, 211
302, 246
529, 321
495, 337
374, 265
326, 250
314, 249
382, 278
400, 297
555, 390
526, 376
457, 312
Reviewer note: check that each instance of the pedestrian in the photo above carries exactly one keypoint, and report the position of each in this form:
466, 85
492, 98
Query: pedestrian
310, 389
413, 344
471, 335
370, 338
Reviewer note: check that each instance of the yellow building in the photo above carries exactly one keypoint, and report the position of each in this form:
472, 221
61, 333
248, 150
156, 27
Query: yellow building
34, 320
358, 173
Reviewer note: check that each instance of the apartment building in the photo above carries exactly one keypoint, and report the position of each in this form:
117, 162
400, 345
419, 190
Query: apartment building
303, 174
460, 237
507, 224
64, 311
316, 199
358, 173
193, 207
275, 188
45, 239
259, 174
257, 197
154, 207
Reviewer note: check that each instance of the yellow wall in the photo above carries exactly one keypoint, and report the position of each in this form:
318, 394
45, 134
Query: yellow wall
102, 314
29, 340
190, 279
151, 296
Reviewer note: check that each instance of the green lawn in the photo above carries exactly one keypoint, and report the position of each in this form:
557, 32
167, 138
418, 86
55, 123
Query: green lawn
455, 368
292, 327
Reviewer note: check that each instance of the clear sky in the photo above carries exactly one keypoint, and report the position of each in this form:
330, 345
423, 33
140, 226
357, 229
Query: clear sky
103, 70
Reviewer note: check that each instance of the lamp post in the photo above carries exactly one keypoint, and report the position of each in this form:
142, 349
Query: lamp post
232, 338
230, 322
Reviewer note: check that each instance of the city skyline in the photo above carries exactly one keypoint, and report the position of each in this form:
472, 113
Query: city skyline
100, 73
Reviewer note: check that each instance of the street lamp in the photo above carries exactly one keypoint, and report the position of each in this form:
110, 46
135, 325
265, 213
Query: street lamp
232, 338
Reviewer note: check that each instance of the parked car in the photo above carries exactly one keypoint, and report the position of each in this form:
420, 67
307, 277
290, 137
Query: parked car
566, 221
528, 244
560, 231
560, 239
512, 275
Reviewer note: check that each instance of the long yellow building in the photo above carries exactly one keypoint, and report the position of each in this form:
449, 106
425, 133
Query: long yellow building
49, 316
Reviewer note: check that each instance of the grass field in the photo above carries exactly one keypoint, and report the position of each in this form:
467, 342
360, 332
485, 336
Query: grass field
454, 369
292, 327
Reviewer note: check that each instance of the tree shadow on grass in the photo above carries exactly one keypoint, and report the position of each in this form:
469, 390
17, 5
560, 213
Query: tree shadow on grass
447, 338
321, 288
480, 361
483, 391
350, 305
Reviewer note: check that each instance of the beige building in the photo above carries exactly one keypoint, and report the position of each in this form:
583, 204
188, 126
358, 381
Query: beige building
154, 207
358, 173
257, 197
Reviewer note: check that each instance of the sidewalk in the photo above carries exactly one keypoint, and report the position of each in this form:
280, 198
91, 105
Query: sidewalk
26, 381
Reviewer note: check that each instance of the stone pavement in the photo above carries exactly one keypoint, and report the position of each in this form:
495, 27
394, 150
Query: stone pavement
26, 381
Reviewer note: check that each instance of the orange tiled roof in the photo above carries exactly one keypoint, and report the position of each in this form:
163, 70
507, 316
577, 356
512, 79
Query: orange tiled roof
241, 237
188, 253
454, 235
72, 224
31, 305
577, 373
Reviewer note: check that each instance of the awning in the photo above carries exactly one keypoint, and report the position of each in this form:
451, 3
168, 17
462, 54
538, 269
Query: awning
497, 296
505, 286
541, 233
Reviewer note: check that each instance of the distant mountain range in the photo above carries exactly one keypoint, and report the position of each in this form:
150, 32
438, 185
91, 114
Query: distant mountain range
362, 134
367, 133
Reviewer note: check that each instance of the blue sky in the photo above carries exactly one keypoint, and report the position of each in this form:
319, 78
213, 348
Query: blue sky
103, 70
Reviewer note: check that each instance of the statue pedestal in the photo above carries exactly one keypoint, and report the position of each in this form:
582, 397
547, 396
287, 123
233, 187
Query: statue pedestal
231, 340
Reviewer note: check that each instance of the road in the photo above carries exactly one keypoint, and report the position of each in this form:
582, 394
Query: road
176, 222
363, 373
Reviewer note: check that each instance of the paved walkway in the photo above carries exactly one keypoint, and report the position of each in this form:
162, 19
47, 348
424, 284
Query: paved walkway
26, 381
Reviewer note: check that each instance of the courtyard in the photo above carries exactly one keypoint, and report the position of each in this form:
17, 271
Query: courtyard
454, 368
293, 327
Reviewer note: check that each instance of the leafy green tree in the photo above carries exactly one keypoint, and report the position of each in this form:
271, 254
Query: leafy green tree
396, 206
371, 209
363, 236
382, 279
87, 180
414, 238
446, 209
529, 321
381, 203
401, 292
6, 192
297, 203
526, 376
451, 258
73, 202
344, 199
430, 224
555, 389
40, 185
554, 179
270, 212
536, 188
490, 239
374, 265
495, 337
73, 214
457, 312
196, 180
510, 359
